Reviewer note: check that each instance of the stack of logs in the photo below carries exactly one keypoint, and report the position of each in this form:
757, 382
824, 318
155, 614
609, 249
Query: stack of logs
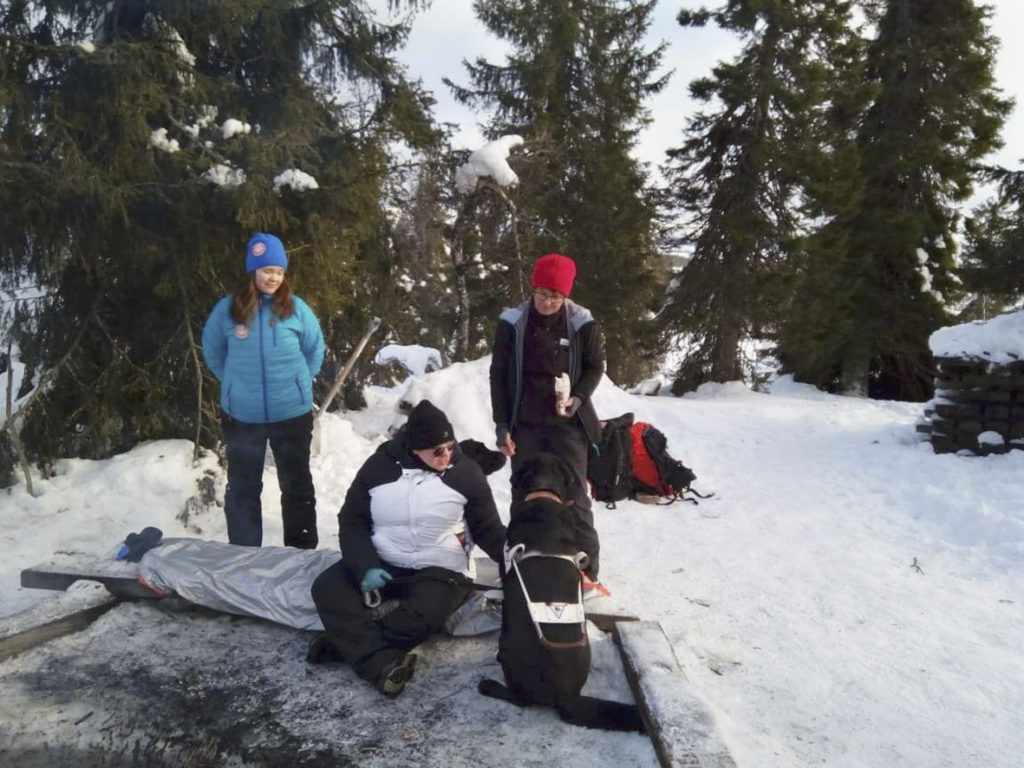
972, 397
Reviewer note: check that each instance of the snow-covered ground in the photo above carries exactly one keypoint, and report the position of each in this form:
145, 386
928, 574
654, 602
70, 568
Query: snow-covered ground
847, 598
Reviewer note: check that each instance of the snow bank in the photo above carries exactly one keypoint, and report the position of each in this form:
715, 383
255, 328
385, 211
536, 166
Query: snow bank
847, 597
999, 340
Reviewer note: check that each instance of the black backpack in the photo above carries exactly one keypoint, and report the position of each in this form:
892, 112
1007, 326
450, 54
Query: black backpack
610, 468
633, 458
671, 477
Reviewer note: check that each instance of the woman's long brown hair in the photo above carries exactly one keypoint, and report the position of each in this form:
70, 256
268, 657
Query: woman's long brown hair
247, 301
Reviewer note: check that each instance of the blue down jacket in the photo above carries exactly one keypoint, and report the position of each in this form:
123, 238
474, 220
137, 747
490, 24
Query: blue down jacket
265, 369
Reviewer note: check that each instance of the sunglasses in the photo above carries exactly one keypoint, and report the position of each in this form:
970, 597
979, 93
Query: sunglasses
441, 450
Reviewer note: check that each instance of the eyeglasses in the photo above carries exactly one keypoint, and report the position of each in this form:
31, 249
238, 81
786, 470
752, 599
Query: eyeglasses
545, 295
441, 450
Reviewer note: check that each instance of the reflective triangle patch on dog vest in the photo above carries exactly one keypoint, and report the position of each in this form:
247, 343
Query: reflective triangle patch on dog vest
557, 613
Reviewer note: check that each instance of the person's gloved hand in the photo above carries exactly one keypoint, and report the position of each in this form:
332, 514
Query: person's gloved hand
375, 578
571, 406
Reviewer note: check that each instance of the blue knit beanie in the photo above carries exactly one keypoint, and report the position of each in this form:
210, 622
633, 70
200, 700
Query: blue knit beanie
264, 250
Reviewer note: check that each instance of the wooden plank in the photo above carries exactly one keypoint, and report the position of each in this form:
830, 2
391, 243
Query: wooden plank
119, 577
52, 618
680, 726
606, 621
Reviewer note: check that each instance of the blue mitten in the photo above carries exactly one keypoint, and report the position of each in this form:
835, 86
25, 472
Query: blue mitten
375, 578
137, 544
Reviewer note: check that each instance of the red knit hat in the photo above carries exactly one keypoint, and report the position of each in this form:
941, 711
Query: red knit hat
554, 272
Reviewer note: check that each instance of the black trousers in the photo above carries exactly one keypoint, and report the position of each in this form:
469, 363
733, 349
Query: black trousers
246, 447
426, 600
568, 441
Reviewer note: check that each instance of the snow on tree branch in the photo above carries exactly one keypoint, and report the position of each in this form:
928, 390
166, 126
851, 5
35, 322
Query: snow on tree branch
296, 179
489, 160
225, 176
158, 139
232, 127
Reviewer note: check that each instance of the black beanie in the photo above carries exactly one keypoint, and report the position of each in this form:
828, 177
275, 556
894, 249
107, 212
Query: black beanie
428, 426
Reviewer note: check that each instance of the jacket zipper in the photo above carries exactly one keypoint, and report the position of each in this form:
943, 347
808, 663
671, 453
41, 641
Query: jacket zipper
519, 328
263, 365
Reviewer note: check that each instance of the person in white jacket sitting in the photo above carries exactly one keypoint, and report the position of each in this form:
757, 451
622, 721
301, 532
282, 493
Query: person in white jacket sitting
407, 527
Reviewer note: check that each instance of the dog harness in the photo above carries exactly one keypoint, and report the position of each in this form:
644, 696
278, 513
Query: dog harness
551, 613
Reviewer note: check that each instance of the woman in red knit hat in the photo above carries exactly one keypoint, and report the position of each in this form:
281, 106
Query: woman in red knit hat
547, 360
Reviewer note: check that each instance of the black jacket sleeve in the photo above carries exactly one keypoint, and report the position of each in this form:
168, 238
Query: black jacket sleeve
592, 361
485, 526
355, 524
503, 361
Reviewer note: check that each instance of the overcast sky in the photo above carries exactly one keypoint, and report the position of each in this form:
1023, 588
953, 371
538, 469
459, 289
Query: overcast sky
448, 33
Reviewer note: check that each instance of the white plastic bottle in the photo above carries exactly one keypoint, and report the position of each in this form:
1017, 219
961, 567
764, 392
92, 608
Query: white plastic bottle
562, 389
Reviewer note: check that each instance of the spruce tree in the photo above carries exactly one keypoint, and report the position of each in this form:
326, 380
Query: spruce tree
574, 89
141, 142
993, 255
410, 285
741, 179
934, 113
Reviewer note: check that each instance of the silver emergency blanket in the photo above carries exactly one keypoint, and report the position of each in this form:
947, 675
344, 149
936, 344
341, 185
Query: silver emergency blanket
270, 583
274, 583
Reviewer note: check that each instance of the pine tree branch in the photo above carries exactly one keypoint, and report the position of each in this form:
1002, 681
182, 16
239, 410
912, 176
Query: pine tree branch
119, 349
18, 299
9, 423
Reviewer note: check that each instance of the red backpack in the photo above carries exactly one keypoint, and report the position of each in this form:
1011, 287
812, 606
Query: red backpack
633, 460
655, 472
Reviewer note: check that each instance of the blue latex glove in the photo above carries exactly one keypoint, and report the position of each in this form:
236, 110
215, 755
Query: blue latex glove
375, 578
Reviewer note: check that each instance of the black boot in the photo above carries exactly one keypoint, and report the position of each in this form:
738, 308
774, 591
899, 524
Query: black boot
322, 651
392, 679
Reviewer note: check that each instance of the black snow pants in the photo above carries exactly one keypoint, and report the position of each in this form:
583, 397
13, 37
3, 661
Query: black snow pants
426, 597
568, 441
246, 447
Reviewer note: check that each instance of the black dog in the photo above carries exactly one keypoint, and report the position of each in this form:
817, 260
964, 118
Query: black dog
546, 655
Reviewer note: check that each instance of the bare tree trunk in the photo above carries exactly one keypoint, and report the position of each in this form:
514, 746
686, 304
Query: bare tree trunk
12, 427
193, 348
460, 264
725, 358
853, 381
9, 423
10, 378
463, 221
514, 216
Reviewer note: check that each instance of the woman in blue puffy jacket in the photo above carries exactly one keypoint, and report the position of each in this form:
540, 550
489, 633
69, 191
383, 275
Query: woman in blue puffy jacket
264, 345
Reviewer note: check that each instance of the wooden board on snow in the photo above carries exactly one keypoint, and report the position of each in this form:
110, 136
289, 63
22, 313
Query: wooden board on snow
680, 726
52, 618
118, 576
